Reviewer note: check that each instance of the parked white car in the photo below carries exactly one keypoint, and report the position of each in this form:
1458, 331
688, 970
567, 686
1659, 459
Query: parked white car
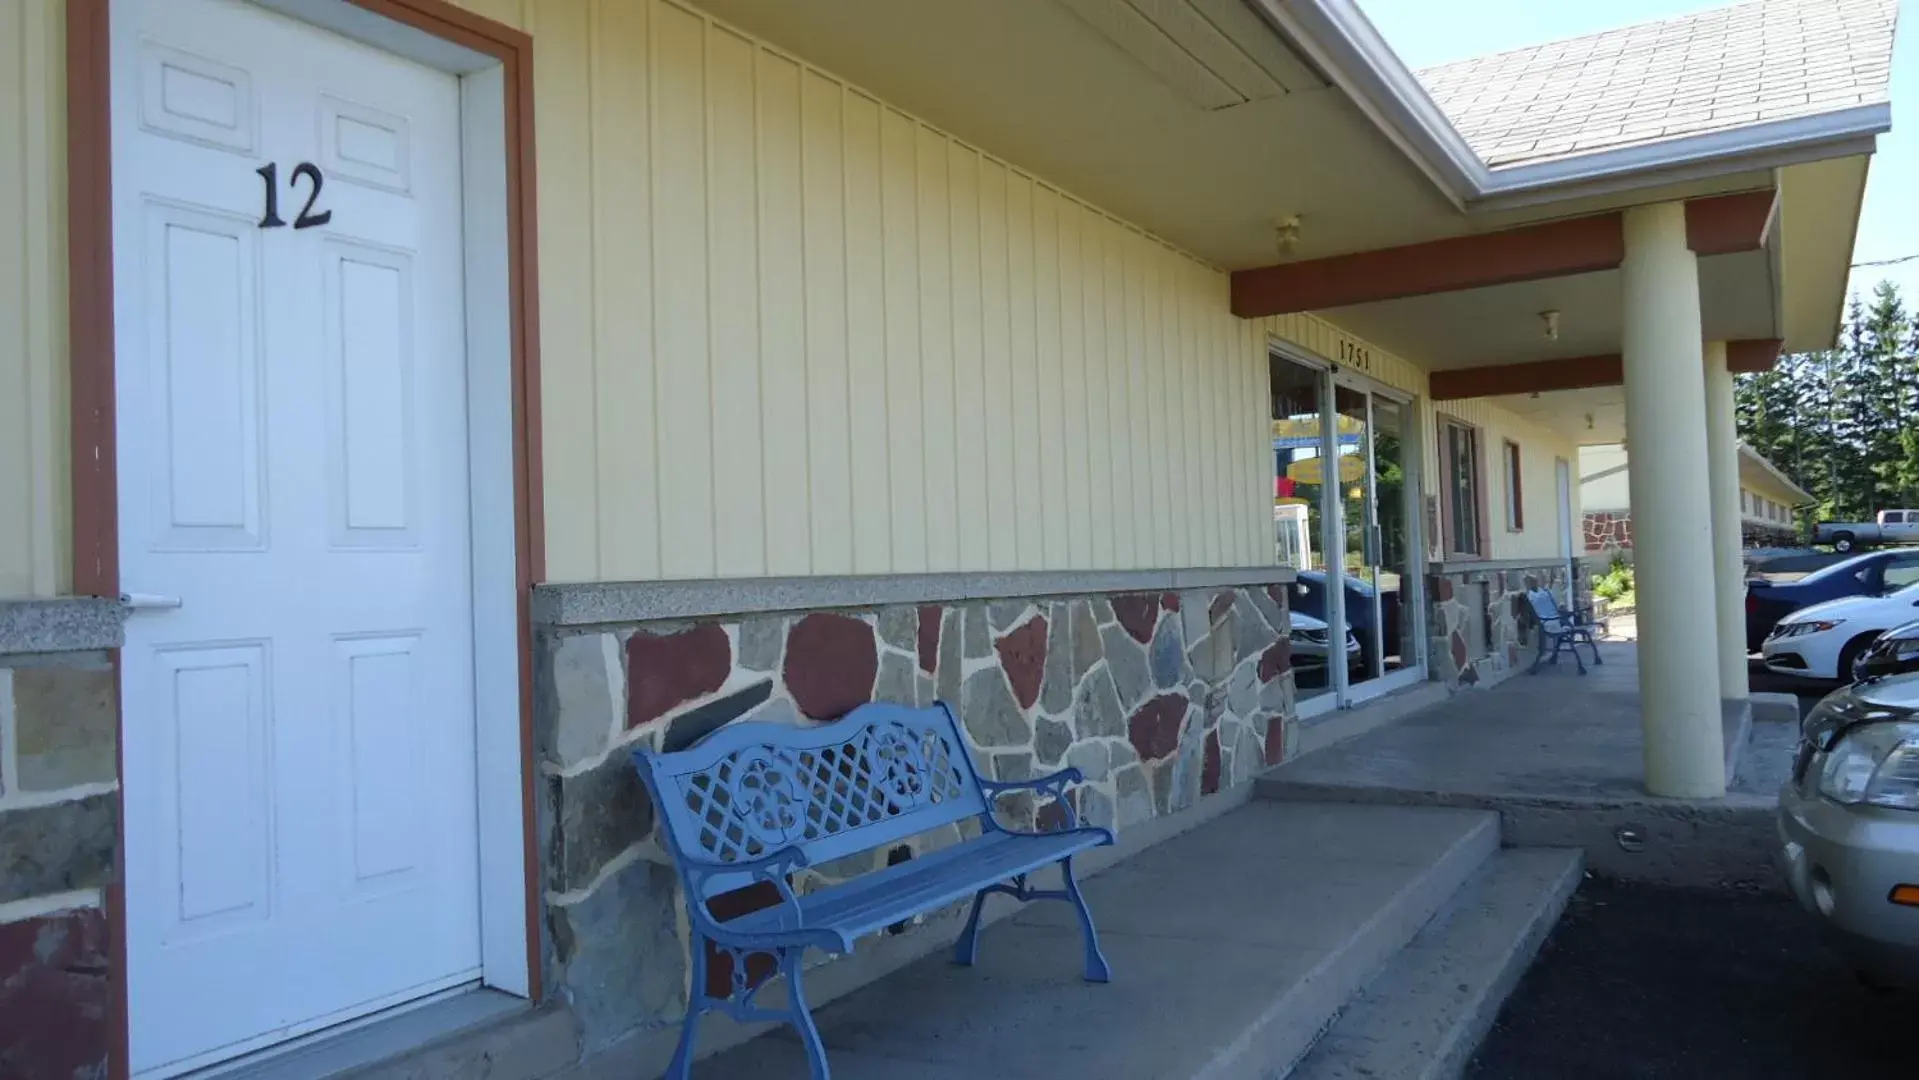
1312, 642
1822, 641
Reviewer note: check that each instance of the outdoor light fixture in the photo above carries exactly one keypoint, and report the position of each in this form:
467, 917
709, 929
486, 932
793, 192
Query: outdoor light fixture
1286, 234
1551, 319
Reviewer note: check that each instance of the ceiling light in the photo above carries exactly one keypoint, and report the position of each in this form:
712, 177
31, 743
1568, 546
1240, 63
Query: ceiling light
1286, 234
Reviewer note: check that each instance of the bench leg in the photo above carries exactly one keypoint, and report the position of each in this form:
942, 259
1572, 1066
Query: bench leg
1096, 968
682, 1066
966, 949
802, 1014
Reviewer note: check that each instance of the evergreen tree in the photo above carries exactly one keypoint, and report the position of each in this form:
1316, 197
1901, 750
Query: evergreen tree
1844, 423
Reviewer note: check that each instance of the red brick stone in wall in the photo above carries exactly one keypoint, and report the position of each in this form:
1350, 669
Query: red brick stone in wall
54, 996
665, 670
831, 662
929, 637
1155, 726
1023, 654
1276, 660
1138, 614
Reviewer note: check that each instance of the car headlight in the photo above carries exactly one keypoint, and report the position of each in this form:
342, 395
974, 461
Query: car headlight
1309, 637
1817, 626
1875, 764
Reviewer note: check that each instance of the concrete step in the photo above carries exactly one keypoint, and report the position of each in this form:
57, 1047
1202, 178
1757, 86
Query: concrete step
1232, 947
1425, 1014
481, 1033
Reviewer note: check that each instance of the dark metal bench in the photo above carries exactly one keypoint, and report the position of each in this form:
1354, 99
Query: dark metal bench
756, 802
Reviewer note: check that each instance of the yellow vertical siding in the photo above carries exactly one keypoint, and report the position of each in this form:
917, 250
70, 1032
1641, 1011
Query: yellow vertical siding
788, 329
33, 342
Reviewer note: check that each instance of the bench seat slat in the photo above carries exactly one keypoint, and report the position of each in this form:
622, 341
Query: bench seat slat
872, 901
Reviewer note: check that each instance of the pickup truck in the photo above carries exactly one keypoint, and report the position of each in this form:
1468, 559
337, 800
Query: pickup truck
1889, 527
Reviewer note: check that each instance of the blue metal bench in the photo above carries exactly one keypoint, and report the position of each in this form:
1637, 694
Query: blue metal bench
1561, 630
754, 803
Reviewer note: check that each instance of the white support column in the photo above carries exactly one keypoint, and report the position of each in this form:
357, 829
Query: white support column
1671, 493
1728, 545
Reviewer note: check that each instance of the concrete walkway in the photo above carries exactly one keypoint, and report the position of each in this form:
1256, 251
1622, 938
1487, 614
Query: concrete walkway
1232, 947
1556, 733
1559, 755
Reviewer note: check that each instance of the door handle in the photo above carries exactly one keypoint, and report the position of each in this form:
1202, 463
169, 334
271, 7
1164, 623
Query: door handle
136, 601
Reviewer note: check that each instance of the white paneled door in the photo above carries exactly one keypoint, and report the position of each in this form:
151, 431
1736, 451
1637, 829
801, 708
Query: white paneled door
301, 840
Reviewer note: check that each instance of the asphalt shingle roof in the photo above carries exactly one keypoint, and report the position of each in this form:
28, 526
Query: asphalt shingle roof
1731, 67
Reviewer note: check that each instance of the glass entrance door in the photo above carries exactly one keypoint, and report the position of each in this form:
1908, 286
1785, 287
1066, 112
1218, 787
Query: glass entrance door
1346, 470
1377, 504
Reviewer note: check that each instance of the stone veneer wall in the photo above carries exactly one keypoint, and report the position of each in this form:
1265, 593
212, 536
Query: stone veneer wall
1608, 530
59, 814
1161, 699
1512, 633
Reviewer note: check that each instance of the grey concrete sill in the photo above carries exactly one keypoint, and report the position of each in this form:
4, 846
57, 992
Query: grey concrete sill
59, 624
642, 601
1462, 566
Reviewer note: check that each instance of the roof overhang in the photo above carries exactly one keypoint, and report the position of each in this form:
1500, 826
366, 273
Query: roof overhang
1337, 37
1751, 462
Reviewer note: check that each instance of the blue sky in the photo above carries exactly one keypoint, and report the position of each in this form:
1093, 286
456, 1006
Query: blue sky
1428, 32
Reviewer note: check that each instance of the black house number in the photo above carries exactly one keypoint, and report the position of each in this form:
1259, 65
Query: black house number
270, 173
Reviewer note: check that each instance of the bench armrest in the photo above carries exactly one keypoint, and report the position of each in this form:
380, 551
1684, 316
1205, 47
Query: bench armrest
773, 867
1053, 784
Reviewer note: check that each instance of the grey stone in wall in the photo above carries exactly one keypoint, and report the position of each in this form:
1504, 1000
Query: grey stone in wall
619, 954
1051, 740
977, 637
950, 664
600, 812
693, 725
896, 680
1127, 661
1092, 758
900, 628
1096, 809
991, 715
1087, 647
586, 708
1242, 690
1185, 769
1212, 655
1004, 613
777, 711
1012, 767
1056, 686
1096, 708
1166, 655
1133, 795
66, 724
1251, 635
56, 848
1268, 608
761, 641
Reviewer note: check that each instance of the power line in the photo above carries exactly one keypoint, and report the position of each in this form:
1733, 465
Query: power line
1887, 262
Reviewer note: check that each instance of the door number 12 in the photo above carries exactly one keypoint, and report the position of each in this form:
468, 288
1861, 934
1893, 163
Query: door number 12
270, 173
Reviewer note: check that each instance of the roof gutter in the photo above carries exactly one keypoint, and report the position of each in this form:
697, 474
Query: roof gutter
1754, 456
1337, 37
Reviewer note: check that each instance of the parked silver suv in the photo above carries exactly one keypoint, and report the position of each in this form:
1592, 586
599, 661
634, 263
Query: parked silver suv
1849, 823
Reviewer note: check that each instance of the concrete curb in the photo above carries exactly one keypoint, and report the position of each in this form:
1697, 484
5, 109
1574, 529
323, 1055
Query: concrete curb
1289, 1025
1704, 843
1426, 1014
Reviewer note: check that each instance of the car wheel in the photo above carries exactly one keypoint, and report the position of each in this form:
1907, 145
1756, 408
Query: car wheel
1850, 655
1842, 543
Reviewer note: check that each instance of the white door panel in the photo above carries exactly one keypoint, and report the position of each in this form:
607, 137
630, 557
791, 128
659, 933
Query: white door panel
299, 733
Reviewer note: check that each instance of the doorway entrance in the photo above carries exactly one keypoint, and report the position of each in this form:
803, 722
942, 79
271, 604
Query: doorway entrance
316, 513
1347, 485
